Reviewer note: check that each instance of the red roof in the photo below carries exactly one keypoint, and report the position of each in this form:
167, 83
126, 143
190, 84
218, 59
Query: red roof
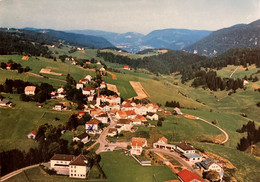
33, 132
81, 112
138, 141
129, 113
8, 64
188, 176
128, 104
93, 121
126, 66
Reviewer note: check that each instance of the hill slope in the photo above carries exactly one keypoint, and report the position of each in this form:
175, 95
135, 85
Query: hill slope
237, 36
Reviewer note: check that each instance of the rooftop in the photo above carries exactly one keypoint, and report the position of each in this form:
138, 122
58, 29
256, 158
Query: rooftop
62, 157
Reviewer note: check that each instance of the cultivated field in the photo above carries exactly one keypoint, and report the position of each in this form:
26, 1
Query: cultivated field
113, 88
140, 91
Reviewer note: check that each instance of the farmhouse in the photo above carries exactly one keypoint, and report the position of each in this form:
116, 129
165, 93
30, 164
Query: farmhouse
188, 176
84, 138
29, 90
32, 134
185, 148
4, 102
211, 164
152, 116
92, 126
137, 145
79, 167
127, 68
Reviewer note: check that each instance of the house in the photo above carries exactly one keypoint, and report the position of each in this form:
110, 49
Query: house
188, 176
88, 77
126, 68
140, 109
192, 157
185, 148
30, 90
59, 107
130, 114
81, 113
112, 132
92, 126
99, 63
103, 118
162, 144
32, 134
177, 111
137, 145
152, 116
95, 112
103, 85
142, 118
79, 86
88, 91
60, 162
102, 71
121, 115
124, 125
83, 80
136, 121
5, 102
114, 106
104, 107
127, 106
162, 140
79, 167
88, 62
8, 66
39, 105
60, 90
245, 82
211, 164
84, 138
90, 98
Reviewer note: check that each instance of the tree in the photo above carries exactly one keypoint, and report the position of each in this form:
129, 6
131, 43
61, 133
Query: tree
211, 175
159, 123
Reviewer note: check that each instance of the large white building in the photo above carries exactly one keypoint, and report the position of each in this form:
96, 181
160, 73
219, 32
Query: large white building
78, 168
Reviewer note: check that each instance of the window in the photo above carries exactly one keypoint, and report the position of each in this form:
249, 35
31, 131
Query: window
75, 175
74, 170
71, 170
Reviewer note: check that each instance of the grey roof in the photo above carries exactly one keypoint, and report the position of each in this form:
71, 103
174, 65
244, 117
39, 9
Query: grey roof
82, 136
193, 155
62, 157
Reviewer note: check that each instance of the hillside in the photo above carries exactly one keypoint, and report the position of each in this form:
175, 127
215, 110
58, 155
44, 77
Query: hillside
166, 38
237, 36
75, 39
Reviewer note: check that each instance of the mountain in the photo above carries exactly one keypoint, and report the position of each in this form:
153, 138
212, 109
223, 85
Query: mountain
76, 39
237, 36
173, 38
133, 42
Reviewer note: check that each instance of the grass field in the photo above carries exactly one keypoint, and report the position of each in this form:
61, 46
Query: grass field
17, 122
119, 167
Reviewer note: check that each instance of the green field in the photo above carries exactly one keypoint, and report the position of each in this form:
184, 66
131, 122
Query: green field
119, 167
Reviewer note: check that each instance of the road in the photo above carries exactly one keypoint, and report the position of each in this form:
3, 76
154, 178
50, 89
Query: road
17, 172
177, 157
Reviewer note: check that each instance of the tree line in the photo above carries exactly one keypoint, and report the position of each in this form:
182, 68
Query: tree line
15, 66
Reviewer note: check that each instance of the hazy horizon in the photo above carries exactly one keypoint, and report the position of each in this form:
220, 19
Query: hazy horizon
121, 16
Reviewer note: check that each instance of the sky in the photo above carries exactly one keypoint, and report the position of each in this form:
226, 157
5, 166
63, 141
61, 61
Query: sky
121, 16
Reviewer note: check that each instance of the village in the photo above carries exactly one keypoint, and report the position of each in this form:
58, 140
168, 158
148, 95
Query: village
110, 116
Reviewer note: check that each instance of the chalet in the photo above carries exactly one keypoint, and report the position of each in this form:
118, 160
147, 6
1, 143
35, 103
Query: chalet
5, 102
92, 126
211, 164
103, 118
79, 86
152, 116
32, 135
60, 162
112, 132
88, 91
137, 145
79, 167
84, 138
59, 107
188, 176
88, 77
185, 148
127, 68
124, 125
30, 90
177, 111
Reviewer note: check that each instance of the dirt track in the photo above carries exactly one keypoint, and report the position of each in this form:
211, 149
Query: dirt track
113, 75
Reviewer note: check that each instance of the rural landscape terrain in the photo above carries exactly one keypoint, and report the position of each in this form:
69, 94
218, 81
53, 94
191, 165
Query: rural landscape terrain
88, 105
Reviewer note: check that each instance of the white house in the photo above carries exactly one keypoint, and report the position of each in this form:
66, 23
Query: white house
60, 162
185, 148
137, 145
84, 138
79, 167
88, 91
103, 85
92, 126
29, 90
130, 114
60, 90
79, 86
140, 109
136, 121
32, 135
124, 125
103, 118
127, 106
90, 98
58, 107
88, 77
152, 116
211, 164
176, 110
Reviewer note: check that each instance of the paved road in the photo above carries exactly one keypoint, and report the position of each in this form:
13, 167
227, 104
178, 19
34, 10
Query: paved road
177, 157
17, 172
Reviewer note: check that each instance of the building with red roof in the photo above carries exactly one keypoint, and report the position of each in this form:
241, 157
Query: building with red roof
32, 134
137, 145
188, 176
